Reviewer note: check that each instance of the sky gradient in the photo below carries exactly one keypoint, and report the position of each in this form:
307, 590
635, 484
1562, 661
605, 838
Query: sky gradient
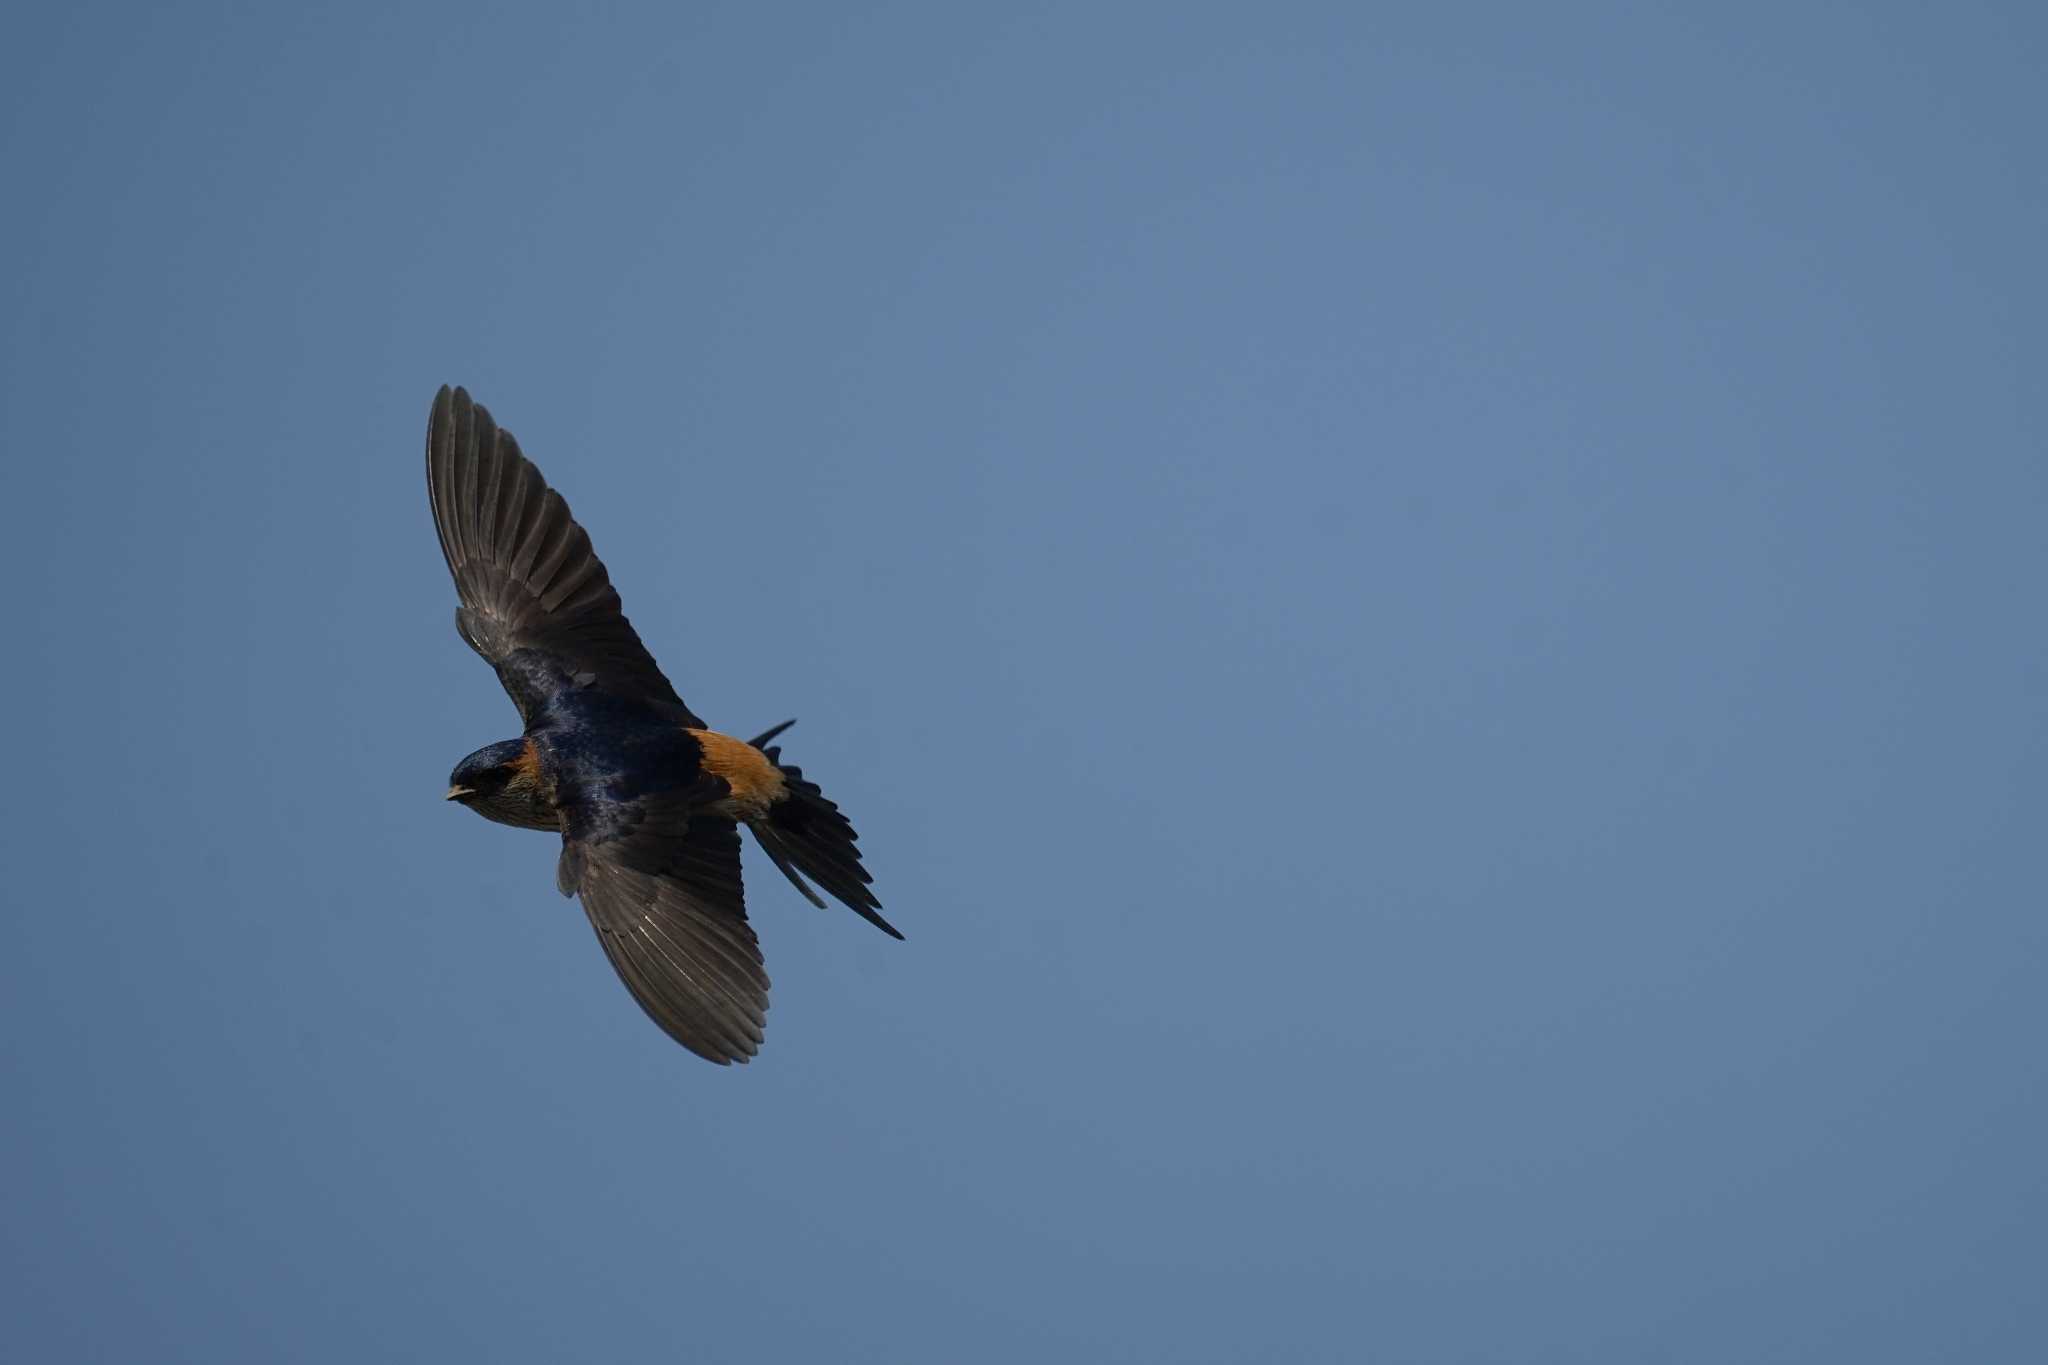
1431, 618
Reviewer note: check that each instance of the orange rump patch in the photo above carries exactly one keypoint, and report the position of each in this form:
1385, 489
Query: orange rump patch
755, 782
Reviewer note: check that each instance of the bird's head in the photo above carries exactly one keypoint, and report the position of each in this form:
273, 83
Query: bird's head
502, 782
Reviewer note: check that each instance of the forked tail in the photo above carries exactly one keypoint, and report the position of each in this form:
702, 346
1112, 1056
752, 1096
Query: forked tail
805, 833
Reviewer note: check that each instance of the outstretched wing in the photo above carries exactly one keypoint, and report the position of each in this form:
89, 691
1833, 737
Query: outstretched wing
679, 937
537, 603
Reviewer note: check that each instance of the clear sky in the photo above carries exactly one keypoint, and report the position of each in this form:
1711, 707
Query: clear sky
1432, 618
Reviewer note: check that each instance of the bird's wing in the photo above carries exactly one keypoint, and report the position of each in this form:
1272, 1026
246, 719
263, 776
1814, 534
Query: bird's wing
662, 889
537, 603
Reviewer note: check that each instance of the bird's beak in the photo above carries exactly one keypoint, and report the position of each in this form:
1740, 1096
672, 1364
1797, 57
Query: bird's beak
454, 792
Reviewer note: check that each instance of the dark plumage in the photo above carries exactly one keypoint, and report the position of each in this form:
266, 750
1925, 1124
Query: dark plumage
647, 799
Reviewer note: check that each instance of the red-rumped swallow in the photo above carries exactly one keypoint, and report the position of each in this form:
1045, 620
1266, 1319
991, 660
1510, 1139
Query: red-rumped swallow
648, 799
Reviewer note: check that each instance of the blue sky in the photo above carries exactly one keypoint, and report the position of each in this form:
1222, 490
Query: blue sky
1431, 618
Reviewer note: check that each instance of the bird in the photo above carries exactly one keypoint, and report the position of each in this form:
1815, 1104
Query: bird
648, 799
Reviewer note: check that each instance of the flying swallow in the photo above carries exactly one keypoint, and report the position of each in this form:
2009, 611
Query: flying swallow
648, 800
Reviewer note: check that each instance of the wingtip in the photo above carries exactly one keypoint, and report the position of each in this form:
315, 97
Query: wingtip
450, 400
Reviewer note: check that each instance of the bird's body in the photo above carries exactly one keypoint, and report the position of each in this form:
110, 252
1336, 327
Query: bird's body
647, 800
586, 750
